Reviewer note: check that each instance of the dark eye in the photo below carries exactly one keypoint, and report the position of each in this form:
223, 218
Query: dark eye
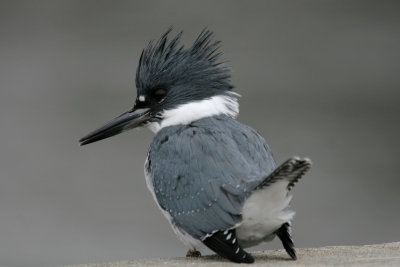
159, 94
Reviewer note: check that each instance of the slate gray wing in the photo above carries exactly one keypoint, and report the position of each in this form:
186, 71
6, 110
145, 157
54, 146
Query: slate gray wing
202, 174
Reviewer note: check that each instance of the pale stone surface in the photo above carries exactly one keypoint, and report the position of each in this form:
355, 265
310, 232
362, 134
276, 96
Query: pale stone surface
371, 255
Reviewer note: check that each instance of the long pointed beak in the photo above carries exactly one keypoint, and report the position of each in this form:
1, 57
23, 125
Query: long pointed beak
122, 123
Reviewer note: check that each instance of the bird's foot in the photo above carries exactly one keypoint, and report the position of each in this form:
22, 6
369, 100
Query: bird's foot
192, 253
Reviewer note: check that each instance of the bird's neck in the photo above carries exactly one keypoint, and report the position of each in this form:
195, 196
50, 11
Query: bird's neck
193, 111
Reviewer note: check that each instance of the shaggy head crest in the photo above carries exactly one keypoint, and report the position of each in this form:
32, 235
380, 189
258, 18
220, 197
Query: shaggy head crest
195, 72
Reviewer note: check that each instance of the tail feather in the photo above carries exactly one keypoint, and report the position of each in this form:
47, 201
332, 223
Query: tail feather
291, 170
284, 235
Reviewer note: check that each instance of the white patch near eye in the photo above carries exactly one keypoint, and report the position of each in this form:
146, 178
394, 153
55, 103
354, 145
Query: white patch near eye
142, 98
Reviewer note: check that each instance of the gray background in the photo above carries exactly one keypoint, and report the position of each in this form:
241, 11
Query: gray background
318, 79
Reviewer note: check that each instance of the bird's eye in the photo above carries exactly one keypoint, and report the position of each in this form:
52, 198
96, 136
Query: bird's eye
159, 94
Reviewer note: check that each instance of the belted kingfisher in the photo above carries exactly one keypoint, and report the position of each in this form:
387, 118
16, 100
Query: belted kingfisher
213, 178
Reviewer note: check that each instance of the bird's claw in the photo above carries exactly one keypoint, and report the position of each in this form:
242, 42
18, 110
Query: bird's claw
192, 253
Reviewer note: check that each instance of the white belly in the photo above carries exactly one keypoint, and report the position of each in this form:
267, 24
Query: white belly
263, 213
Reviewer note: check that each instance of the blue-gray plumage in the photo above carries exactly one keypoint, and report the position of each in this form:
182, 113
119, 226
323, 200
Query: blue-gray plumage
203, 172
214, 178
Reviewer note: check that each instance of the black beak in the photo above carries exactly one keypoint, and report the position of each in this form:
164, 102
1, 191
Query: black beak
123, 122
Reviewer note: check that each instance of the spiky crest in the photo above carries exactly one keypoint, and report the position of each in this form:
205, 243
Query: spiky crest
196, 71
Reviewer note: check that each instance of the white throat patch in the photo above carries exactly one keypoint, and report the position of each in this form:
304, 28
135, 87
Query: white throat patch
193, 111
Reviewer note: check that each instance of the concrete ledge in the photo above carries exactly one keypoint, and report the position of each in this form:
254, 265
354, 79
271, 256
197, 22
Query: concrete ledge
371, 255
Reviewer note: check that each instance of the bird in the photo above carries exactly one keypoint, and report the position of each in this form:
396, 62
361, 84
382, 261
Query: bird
214, 178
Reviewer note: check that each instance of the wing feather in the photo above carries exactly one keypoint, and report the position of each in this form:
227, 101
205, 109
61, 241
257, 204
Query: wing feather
203, 172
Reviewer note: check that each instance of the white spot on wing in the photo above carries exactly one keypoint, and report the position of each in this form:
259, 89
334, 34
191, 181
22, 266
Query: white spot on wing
229, 236
142, 98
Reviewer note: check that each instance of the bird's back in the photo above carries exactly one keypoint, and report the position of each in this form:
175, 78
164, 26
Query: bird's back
203, 172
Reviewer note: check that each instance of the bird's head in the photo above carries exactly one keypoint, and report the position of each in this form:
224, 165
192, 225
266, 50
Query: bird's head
175, 86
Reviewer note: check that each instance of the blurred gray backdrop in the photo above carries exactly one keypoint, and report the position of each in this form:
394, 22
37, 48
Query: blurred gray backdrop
318, 78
